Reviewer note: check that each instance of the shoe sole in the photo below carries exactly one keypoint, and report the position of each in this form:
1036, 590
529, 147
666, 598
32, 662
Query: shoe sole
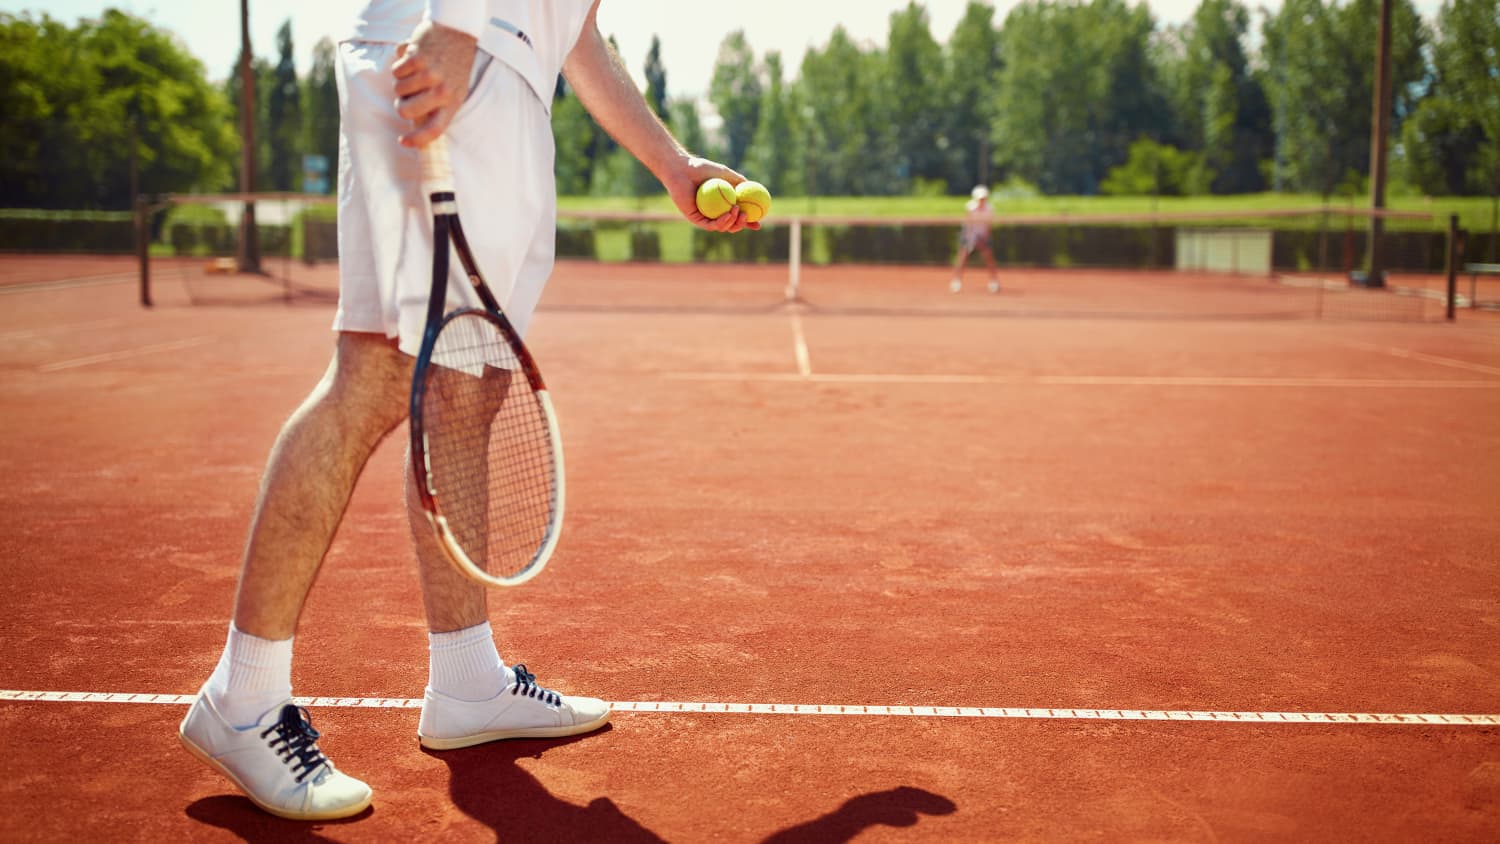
278, 812
432, 743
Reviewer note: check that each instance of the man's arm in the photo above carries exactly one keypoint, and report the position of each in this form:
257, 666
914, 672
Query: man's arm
605, 88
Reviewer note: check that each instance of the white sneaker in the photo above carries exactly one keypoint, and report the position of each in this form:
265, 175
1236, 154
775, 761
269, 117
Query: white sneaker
522, 710
955, 285
994, 286
276, 763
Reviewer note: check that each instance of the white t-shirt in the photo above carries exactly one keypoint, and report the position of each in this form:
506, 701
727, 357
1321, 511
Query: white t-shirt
980, 216
532, 36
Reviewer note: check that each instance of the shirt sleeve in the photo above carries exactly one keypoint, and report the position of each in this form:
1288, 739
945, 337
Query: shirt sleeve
462, 15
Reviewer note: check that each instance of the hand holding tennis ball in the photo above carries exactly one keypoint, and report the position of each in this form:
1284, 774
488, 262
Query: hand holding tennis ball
715, 198
753, 199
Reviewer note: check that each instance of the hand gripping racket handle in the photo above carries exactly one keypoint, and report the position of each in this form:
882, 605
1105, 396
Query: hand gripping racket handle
437, 172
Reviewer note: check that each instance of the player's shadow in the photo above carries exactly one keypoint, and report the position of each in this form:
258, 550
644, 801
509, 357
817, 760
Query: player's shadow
902, 806
487, 785
237, 815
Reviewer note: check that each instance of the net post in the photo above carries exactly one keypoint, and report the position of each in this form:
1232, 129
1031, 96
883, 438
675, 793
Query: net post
1453, 259
794, 262
143, 247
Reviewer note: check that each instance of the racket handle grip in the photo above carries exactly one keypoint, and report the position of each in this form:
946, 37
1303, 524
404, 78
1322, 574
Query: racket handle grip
437, 172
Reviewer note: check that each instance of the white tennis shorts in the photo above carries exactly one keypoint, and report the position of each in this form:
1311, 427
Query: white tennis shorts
501, 148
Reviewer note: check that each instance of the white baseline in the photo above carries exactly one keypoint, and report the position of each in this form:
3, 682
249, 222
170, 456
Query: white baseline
700, 708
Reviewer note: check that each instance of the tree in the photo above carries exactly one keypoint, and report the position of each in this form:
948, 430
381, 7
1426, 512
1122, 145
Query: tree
1451, 144
65, 141
1323, 129
973, 63
1075, 90
1219, 105
284, 117
912, 86
735, 91
656, 81
848, 135
573, 132
771, 159
321, 96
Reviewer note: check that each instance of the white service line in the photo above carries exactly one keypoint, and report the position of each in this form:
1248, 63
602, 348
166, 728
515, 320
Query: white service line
125, 354
1408, 354
1084, 380
991, 712
56, 328
799, 346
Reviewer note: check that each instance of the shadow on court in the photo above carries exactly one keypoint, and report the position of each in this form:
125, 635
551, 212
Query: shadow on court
488, 786
901, 807
237, 815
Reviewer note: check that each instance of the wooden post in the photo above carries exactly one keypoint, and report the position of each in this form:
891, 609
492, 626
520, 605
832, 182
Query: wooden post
1380, 128
1453, 260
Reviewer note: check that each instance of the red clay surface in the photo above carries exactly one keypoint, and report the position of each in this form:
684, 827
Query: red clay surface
1095, 490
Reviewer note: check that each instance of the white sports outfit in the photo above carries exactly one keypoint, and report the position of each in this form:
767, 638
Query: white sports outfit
501, 147
976, 230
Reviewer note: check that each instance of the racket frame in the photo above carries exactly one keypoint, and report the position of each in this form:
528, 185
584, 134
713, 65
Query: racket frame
437, 183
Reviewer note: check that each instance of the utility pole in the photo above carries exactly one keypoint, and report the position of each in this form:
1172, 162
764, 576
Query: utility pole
249, 251
1380, 129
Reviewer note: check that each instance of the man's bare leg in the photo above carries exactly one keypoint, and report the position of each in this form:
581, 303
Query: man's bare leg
451, 599
310, 476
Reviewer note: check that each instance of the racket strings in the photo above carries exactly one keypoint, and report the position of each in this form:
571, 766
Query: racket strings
492, 470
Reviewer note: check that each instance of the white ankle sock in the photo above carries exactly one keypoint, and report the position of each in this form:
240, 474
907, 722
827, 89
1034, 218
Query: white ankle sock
465, 664
253, 676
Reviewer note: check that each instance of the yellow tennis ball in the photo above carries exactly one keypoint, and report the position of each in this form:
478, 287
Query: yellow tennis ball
715, 198
754, 200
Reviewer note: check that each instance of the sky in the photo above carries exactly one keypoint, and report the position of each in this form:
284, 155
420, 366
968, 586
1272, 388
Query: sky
690, 31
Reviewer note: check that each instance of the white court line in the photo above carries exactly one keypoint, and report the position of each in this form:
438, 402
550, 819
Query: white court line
799, 346
991, 712
1408, 354
57, 328
124, 354
1084, 380
68, 283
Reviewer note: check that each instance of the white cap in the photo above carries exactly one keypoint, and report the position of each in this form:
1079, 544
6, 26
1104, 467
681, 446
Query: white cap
980, 192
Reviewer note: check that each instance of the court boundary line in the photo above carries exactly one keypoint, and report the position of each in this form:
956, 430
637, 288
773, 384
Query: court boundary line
856, 710
1438, 360
125, 354
1082, 380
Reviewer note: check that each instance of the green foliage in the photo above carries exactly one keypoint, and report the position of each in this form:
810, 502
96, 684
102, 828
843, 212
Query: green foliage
1451, 144
321, 116
1076, 88
75, 98
1323, 129
283, 126
1066, 97
972, 64
736, 92
1155, 169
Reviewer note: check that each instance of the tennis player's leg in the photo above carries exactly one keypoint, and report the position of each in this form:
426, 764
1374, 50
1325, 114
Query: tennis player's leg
502, 153
989, 261
471, 696
965, 246
243, 723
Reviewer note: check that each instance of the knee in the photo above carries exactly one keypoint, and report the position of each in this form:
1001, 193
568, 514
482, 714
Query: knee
368, 385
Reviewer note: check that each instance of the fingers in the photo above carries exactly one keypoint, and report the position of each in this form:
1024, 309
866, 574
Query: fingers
729, 222
431, 73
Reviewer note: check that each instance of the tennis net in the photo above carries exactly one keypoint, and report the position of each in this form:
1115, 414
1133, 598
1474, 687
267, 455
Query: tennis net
1289, 264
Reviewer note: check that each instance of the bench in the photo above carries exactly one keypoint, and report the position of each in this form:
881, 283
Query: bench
1475, 271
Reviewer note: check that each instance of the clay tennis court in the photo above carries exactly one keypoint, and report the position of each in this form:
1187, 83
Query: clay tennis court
1110, 556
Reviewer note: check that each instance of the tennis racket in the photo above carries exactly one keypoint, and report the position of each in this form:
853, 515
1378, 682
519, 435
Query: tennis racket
484, 439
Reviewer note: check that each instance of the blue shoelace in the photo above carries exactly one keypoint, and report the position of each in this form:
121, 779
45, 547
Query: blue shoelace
526, 686
296, 742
